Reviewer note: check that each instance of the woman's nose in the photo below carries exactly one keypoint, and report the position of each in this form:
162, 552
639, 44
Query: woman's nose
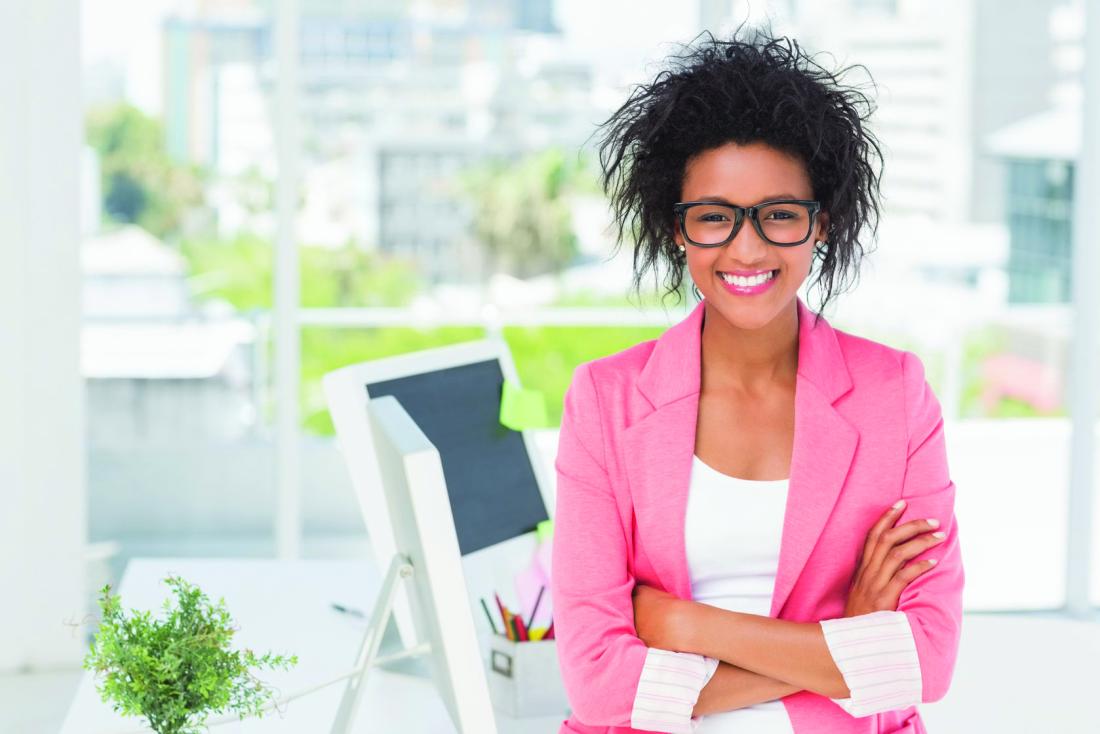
747, 245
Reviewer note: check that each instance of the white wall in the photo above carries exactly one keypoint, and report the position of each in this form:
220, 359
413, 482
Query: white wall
42, 514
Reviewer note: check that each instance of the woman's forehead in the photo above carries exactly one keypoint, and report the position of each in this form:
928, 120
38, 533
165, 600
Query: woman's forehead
752, 172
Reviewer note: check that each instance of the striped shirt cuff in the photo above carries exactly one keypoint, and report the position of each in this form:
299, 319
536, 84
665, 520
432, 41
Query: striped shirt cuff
668, 689
877, 656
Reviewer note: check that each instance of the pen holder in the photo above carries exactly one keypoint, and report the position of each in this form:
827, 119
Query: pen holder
524, 677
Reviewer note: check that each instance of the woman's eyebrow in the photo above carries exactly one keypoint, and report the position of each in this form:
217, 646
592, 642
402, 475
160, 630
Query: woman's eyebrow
724, 200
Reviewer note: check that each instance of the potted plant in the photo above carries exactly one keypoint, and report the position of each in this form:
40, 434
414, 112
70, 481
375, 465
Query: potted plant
177, 671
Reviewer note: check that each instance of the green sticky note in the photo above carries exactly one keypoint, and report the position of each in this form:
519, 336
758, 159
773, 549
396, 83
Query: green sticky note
521, 409
544, 530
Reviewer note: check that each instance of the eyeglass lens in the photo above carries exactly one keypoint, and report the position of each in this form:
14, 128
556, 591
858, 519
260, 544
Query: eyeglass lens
709, 224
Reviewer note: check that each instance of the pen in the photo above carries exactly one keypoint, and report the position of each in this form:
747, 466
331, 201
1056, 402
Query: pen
539, 599
492, 624
347, 610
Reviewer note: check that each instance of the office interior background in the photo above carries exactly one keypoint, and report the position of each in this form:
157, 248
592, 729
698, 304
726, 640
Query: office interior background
208, 204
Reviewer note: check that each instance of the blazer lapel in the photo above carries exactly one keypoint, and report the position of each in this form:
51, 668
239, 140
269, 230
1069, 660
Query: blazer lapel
659, 446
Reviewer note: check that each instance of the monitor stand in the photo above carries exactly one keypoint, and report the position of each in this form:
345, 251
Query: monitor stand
400, 569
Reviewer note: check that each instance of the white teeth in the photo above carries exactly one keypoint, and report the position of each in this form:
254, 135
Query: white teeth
744, 281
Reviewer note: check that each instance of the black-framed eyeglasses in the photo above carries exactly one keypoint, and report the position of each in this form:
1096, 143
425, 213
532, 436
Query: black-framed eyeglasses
781, 222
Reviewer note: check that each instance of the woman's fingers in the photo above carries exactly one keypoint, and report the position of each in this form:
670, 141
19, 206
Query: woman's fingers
881, 573
907, 574
891, 537
905, 551
885, 521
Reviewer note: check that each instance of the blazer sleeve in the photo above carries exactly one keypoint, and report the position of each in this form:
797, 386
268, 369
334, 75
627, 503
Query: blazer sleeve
933, 600
602, 659
896, 659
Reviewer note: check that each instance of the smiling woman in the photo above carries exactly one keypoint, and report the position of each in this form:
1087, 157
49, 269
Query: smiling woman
725, 560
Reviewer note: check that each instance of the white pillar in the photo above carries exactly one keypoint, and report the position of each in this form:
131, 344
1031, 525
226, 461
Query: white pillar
1084, 391
288, 529
42, 497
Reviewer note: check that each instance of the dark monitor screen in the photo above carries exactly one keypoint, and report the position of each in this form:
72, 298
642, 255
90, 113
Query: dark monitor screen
493, 491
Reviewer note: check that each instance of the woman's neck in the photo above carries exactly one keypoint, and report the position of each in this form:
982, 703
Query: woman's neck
750, 361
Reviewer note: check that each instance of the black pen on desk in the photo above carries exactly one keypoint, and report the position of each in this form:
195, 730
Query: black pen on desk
347, 610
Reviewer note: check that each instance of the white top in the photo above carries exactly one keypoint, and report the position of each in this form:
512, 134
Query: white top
732, 531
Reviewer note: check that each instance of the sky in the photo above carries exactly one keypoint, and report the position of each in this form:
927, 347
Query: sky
618, 32
127, 33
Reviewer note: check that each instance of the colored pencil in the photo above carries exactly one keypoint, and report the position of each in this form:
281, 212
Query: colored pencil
510, 624
503, 616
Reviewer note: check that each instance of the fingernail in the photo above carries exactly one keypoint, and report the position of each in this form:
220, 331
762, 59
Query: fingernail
933, 522
899, 504
939, 534
932, 561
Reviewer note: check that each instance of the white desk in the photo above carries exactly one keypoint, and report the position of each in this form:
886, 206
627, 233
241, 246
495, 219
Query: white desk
284, 607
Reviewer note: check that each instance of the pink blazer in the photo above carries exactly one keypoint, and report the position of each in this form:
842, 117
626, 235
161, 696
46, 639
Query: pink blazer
868, 430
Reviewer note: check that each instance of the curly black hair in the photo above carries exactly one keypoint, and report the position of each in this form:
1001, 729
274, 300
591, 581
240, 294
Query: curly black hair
747, 88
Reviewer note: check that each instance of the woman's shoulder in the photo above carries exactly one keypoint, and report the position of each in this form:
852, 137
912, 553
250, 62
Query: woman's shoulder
874, 363
622, 365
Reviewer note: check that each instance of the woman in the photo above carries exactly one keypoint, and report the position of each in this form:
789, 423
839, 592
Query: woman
754, 525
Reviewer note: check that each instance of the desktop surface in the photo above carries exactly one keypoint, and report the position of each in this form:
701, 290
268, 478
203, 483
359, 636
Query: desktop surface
285, 607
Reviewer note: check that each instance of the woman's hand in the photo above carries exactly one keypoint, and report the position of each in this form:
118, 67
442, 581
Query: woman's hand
659, 617
880, 577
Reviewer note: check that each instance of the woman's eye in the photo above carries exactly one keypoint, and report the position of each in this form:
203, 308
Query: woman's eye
786, 215
713, 218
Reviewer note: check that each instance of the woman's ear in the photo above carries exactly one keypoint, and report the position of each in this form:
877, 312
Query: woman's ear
822, 227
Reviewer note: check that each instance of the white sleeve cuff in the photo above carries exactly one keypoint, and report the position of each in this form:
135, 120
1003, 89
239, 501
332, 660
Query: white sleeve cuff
712, 665
668, 689
877, 656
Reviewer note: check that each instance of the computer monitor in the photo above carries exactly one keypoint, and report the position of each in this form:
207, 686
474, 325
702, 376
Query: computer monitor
495, 481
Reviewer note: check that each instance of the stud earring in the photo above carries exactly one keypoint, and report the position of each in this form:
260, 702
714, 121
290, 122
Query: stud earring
683, 248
